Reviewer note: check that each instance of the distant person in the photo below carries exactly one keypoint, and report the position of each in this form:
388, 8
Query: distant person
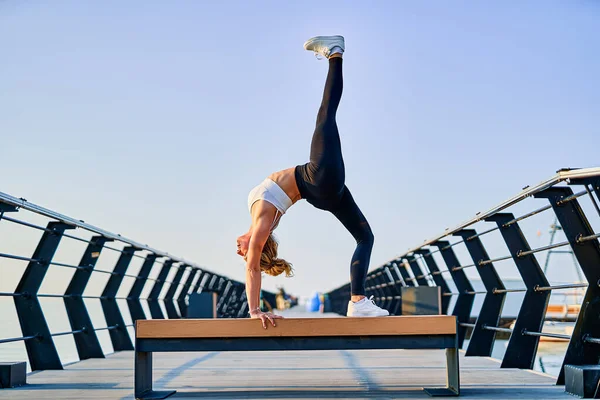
322, 183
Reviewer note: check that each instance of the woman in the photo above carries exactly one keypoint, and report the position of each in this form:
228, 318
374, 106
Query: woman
321, 183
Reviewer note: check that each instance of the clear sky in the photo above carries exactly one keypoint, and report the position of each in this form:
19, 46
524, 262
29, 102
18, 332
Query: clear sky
155, 119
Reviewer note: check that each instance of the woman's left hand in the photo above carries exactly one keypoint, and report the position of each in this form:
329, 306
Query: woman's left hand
264, 316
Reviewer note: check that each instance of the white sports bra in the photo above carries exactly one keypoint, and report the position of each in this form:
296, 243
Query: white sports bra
269, 191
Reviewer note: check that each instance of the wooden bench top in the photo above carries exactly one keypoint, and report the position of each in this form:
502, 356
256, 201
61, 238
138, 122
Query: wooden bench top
296, 327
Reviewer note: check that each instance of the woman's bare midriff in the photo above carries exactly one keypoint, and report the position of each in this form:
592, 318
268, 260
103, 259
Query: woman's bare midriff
286, 180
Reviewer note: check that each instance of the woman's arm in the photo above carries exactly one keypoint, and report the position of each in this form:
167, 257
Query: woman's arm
253, 272
259, 237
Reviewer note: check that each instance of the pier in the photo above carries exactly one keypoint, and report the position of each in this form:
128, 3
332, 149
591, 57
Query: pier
357, 374
323, 373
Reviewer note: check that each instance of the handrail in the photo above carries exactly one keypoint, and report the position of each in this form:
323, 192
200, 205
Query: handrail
26, 205
232, 300
561, 176
418, 267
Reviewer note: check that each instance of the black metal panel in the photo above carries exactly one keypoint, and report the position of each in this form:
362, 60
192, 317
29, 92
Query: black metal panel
119, 337
12, 374
482, 340
575, 224
41, 351
86, 341
169, 302
422, 300
437, 278
417, 271
181, 299
464, 302
522, 349
153, 303
133, 298
582, 381
298, 343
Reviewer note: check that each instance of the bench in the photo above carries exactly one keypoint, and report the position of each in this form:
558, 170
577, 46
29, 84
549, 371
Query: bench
397, 332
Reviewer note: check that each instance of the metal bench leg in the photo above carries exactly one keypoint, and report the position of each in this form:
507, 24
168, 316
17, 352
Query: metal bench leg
143, 378
453, 381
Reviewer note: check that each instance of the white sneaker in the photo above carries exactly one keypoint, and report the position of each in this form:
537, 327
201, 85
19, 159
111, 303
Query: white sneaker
365, 308
324, 44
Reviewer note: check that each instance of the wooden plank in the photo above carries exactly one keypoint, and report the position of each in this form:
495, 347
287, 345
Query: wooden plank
297, 327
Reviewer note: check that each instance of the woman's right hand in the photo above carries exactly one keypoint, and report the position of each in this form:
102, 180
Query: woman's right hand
264, 316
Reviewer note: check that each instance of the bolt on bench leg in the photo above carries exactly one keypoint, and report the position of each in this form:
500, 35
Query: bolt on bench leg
453, 381
143, 378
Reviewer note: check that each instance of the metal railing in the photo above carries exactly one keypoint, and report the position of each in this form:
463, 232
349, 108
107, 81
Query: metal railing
35, 333
418, 267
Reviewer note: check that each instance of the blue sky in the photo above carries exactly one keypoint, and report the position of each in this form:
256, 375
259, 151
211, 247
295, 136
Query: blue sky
155, 119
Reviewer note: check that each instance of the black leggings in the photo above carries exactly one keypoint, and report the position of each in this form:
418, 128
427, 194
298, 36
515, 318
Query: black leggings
321, 181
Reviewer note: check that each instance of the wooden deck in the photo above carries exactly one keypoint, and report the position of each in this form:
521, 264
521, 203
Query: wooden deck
369, 374
362, 374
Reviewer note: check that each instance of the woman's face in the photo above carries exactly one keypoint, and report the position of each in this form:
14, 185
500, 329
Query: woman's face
242, 245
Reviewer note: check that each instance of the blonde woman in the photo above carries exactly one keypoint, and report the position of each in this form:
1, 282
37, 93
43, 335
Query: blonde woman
321, 183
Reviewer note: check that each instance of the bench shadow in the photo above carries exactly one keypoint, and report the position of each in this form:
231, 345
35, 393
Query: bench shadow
68, 386
305, 394
408, 393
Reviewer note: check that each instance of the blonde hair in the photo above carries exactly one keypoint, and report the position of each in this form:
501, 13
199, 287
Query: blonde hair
270, 264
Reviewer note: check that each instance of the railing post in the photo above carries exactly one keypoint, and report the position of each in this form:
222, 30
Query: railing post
374, 287
41, 350
521, 349
575, 225
482, 340
405, 276
266, 296
392, 290
339, 299
395, 292
86, 341
153, 298
437, 278
244, 307
464, 302
210, 284
201, 277
369, 288
203, 284
225, 299
238, 301
181, 299
396, 268
119, 336
169, 302
133, 298
384, 287
417, 271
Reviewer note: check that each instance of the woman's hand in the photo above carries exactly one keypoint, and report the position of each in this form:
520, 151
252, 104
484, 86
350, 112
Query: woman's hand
264, 316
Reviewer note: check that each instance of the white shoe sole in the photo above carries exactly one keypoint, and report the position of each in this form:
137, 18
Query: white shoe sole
324, 38
367, 315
